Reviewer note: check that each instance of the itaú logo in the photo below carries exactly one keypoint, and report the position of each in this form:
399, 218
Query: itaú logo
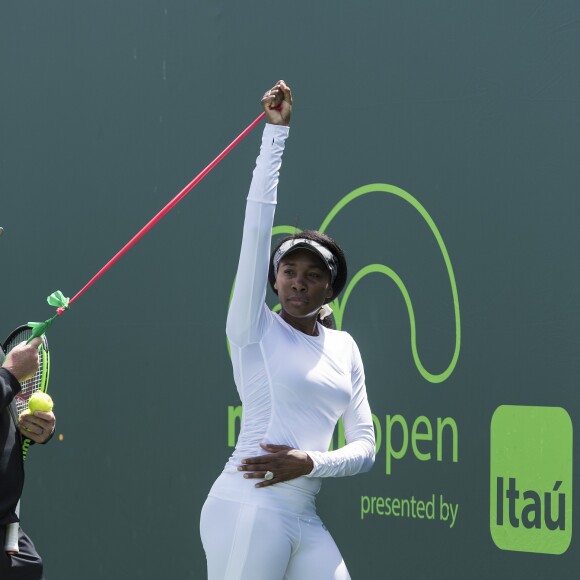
339, 305
531, 479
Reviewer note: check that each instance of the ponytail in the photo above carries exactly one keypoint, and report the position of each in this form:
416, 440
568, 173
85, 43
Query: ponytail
325, 317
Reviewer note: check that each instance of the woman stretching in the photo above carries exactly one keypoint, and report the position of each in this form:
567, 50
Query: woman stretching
296, 378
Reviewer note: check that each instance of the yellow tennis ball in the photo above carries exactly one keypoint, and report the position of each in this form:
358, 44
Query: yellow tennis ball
40, 401
25, 412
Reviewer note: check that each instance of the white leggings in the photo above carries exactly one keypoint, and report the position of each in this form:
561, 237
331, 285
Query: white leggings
246, 540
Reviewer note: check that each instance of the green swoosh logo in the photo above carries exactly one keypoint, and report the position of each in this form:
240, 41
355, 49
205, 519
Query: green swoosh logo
338, 306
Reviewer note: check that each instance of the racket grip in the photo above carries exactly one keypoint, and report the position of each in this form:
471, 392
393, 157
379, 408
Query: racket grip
11, 538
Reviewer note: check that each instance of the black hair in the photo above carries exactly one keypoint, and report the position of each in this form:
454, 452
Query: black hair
329, 244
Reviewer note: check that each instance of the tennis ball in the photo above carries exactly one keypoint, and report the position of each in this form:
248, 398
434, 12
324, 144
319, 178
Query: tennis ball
25, 412
40, 401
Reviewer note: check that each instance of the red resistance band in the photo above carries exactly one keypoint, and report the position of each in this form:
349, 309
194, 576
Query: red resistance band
164, 211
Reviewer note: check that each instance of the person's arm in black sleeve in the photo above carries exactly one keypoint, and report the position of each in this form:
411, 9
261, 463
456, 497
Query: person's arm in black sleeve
9, 388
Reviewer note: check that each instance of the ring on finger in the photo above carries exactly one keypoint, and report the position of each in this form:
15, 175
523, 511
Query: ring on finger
268, 476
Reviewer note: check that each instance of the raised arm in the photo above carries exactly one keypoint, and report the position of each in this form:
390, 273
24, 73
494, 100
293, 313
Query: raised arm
246, 315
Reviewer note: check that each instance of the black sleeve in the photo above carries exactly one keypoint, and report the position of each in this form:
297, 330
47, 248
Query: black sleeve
9, 388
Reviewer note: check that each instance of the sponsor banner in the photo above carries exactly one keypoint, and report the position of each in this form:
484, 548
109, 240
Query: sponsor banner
531, 479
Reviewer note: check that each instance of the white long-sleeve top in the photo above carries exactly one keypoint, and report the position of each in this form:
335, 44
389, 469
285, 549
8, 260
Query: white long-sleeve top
294, 387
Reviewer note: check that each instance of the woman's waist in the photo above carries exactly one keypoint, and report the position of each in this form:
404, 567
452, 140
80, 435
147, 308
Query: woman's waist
307, 484
297, 496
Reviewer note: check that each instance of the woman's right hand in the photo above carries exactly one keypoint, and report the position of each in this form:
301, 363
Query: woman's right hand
277, 104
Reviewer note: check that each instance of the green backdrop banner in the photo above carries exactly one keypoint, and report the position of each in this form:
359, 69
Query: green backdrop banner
436, 141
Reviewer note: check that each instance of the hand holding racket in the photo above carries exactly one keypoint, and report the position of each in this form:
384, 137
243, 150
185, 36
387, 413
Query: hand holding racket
30, 364
22, 359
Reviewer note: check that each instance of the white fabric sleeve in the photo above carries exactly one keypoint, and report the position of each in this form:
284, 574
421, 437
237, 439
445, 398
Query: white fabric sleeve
246, 316
358, 455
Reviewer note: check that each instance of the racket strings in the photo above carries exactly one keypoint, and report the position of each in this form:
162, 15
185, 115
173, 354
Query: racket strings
32, 384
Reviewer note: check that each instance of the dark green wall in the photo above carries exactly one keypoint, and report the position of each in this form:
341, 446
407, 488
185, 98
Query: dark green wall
108, 108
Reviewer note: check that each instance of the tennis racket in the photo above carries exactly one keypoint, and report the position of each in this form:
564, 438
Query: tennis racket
38, 382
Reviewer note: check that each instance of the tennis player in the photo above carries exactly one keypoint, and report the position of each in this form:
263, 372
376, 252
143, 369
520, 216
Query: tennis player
21, 363
296, 378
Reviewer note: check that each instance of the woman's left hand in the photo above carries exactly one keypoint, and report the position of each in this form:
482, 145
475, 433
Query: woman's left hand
284, 462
